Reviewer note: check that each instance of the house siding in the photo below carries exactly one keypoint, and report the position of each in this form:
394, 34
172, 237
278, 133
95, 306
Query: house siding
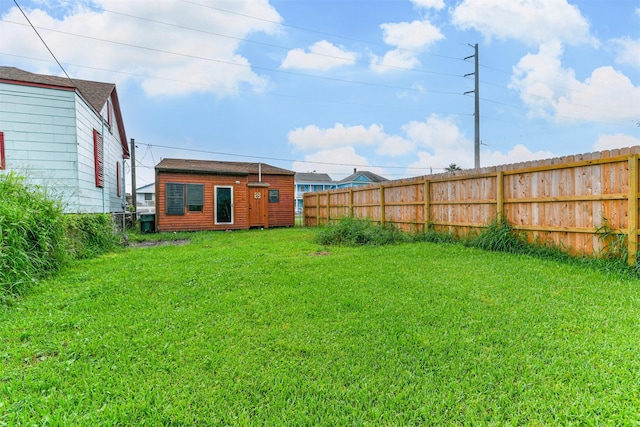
40, 139
48, 137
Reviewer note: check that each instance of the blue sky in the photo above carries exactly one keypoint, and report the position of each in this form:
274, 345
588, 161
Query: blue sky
333, 85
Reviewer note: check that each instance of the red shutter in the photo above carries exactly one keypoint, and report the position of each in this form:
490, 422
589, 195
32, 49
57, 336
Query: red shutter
3, 164
118, 179
98, 158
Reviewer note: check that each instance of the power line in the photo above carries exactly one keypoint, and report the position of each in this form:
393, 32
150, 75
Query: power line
221, 61
43, 42
219, 153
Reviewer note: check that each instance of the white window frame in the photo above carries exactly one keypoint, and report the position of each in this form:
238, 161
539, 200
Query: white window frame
215, 204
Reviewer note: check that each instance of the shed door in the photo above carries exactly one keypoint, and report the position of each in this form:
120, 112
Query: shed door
258, 208
224, 205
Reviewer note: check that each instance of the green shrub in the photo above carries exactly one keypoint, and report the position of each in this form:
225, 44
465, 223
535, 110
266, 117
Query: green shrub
32, 242
89, 235
357, 232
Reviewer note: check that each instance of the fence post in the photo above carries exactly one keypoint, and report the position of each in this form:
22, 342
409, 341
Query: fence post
632, 217
317, 209
427, 202
351, 202
328, 207
500, 195
382, 216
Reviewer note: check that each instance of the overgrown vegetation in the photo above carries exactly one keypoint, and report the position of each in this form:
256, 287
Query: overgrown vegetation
498, 236
357, 232
36, 238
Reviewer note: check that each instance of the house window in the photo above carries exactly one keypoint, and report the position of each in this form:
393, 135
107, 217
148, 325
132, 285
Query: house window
181, 197
98, 157
118, 180
224, 205
195, 197
274, 196
148, 197
3, 163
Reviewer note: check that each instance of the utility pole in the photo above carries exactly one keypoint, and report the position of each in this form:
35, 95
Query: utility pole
476, 112
133, 176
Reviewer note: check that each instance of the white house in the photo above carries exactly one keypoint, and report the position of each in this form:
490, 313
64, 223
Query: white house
146, 198
65, 135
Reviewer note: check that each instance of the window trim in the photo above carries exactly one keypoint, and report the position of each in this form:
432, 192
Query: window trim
275, 199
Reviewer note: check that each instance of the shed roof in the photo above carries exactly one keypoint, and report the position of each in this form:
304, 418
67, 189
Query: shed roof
219, 167
95, 93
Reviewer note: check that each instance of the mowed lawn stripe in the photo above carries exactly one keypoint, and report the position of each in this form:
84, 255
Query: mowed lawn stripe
266, 327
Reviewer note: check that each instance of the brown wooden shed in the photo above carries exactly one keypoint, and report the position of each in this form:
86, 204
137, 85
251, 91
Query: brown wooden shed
196, 195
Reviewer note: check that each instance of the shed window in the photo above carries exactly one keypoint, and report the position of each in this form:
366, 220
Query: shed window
195, 197
175, 199
98, 158
274, 196
184, 196
3, 163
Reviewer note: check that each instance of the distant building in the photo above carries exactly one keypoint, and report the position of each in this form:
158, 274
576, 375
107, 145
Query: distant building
146, 198
310, 182
360, 178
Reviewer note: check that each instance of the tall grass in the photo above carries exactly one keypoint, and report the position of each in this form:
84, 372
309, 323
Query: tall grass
32, 241
36, 238
497, 236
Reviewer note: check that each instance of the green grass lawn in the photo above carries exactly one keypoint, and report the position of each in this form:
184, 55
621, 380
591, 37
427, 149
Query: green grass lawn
267, 328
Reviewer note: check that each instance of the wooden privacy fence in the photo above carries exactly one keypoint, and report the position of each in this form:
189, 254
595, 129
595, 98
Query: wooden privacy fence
574, 202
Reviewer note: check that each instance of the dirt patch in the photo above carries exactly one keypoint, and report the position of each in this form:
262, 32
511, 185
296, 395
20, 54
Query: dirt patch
154, 243
320, 253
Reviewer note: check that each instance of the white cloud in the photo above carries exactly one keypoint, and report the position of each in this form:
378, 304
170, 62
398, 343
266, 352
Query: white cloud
337, 162
321, 56
628, 51
314, 138
550, 90
409, 38
411, 35
611, 142
529, 21
429, 4
195, 58
517, 154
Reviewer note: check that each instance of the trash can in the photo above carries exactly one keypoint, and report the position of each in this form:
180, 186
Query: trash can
147, 223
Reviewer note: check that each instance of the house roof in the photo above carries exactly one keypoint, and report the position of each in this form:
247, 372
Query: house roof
95, 93
149, 188
372, 177
313, 177
219, 168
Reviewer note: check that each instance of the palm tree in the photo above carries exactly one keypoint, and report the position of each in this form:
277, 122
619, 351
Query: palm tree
453, 167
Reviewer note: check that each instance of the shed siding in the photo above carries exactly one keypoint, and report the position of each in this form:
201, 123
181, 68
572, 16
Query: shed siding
280, 214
